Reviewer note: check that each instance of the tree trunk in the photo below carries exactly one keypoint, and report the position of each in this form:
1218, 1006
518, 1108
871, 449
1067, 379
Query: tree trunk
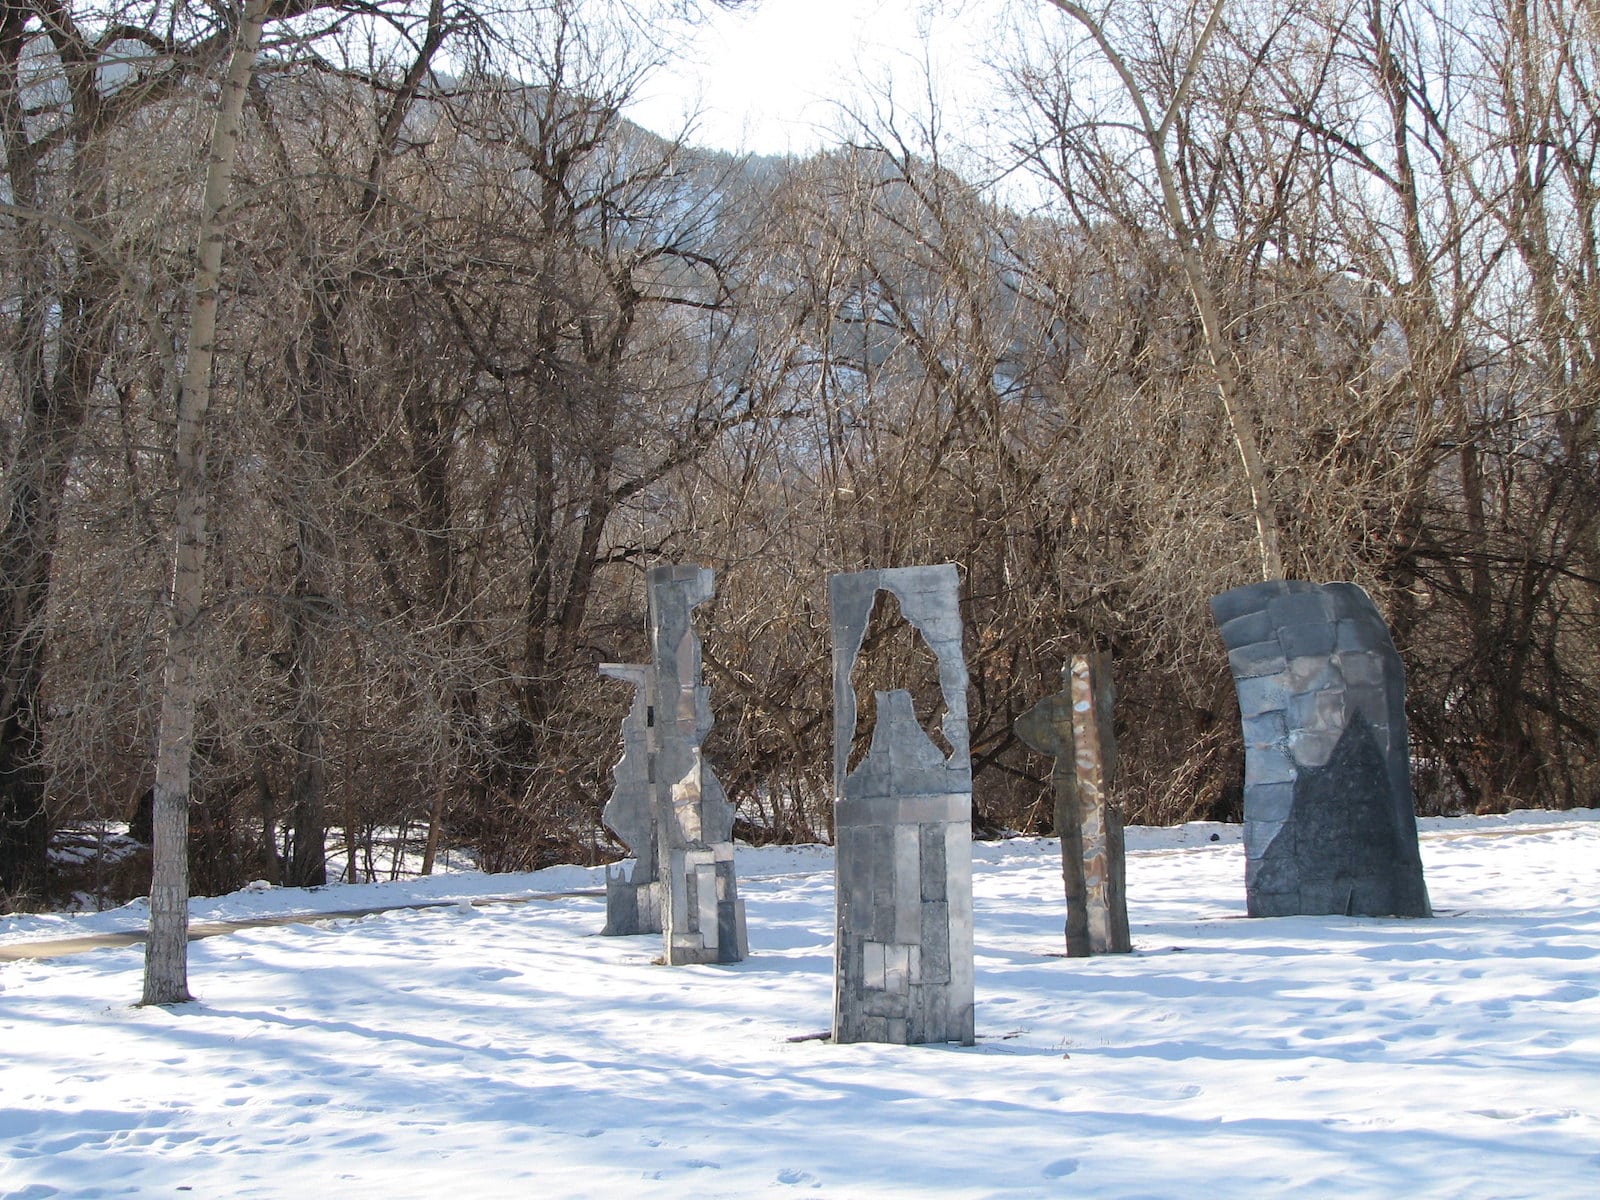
166, 970
78, 320
57, 408
308, 864
316, 380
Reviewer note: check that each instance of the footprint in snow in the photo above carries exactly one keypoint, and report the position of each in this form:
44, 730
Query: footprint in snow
1061, 1168
795, 1176
1572, 994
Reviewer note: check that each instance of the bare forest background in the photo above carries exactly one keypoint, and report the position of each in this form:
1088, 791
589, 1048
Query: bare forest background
486, 351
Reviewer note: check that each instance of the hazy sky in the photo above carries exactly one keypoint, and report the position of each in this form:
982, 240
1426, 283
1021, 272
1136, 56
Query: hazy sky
768, 78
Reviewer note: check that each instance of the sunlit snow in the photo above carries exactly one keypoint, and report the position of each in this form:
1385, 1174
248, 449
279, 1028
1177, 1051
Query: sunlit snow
504, 1049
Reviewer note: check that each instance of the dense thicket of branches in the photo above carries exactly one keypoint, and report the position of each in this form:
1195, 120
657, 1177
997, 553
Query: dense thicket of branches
488, 350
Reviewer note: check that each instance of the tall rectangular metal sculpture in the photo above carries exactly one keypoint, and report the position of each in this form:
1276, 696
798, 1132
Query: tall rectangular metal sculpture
903, 969
702, 917
1329, 825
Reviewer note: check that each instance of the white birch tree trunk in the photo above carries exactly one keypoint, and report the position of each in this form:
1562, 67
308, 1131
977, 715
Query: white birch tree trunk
166, 963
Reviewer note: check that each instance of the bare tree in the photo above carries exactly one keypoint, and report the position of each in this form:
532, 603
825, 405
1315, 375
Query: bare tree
1155, 128
166, 979
71, 81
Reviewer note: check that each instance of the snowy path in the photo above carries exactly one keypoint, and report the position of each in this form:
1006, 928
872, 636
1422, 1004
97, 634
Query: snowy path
84, 943
507, 1051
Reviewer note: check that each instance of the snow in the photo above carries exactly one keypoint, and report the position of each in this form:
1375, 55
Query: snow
504, 1049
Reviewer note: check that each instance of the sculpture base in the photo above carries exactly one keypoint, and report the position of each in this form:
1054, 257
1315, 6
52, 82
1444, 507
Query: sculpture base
904, 972
703, 919
631, 908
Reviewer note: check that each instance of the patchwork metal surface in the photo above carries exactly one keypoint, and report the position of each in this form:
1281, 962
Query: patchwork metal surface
667, 804
903, 829
702, 917
1329, 822
633, 897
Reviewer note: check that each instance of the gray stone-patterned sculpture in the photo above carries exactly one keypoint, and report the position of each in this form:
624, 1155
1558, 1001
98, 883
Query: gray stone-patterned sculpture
1329, 821
702, 917
903, 970
1074, 726
633, 899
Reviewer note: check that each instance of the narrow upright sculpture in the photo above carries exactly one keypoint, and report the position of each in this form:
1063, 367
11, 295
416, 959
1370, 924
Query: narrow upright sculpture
702, 917
1074, 726
1095, 766
903, 970
633, 900
1329, 823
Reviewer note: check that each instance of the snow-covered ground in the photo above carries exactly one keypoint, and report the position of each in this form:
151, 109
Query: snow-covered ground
504, 1050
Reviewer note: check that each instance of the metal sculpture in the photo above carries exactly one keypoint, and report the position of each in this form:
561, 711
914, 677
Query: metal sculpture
1329, 822
902, 829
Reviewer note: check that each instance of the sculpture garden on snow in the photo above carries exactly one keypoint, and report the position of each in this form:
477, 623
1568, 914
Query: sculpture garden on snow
1329, 822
